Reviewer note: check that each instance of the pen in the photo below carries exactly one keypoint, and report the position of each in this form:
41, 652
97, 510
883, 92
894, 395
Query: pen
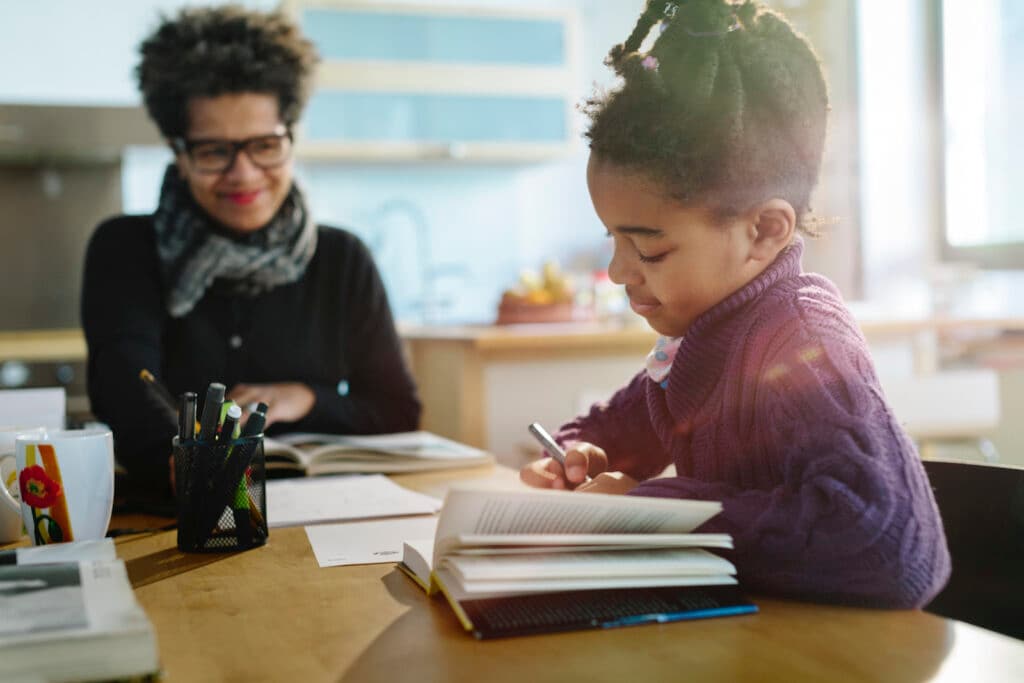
211, 411
549, 444
187, 417
158, 391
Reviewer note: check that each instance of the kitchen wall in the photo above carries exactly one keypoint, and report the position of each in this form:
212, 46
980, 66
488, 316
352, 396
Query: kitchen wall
449, 237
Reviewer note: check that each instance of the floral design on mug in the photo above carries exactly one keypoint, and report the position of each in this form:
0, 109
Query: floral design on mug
41, 489
38, 490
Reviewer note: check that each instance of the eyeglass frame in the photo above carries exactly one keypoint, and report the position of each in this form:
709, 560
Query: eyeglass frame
184, 145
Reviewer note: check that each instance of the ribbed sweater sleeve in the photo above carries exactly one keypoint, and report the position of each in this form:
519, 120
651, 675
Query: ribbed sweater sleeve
622, 427
837, 506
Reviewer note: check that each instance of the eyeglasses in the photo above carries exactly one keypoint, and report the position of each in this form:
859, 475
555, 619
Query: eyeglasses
217, 156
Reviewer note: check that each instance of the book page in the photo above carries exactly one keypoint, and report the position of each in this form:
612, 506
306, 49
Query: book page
485, 543
418, 444
277, 450
559, 512
416, 556
294, 502
44, 597
585, 565
456, 590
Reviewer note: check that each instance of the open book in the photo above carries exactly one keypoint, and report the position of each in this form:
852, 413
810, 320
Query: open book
518, 562
72, 621
315, 454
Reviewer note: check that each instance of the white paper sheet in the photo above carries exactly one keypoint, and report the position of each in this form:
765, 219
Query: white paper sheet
293, 502
372, 542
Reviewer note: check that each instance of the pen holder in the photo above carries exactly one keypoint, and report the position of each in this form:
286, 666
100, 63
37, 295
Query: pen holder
221, 494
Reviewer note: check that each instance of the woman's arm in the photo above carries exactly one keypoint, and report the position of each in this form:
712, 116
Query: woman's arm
379, 395
122, 315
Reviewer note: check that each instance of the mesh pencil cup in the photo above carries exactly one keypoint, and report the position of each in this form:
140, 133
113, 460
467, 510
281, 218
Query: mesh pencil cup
221, 494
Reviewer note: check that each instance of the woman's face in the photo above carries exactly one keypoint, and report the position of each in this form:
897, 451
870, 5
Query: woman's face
244, 196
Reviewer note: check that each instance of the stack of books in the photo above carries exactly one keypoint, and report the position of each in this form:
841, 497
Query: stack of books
523, 562
68, 613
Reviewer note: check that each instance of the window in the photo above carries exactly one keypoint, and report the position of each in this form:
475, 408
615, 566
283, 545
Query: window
983, 104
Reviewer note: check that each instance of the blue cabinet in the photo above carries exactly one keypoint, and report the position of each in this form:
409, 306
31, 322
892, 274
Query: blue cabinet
404, 83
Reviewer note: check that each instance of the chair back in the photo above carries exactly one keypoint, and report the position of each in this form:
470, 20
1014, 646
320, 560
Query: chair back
982, 509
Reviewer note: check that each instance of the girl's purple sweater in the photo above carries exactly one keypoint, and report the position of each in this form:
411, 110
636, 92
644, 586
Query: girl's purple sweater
773, 408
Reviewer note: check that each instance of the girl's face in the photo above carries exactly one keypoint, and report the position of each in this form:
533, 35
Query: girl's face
675, 261
245, 196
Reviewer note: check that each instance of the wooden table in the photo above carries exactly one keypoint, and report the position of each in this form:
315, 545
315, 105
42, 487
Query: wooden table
271, 614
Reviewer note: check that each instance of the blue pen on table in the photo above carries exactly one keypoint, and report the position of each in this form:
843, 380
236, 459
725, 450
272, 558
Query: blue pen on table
550, 445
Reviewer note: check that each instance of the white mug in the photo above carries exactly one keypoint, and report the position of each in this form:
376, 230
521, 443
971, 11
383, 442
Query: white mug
66, 480
10, 498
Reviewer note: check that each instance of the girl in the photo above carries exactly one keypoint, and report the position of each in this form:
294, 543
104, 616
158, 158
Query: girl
761, 390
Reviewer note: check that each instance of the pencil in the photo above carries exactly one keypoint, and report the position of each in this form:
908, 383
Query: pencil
158, 390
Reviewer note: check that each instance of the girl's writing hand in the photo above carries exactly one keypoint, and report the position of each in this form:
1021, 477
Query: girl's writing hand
288, 401
609, 482
581, 460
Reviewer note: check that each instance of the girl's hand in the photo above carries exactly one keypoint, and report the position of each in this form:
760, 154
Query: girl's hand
581, 460
288, 401
609, 482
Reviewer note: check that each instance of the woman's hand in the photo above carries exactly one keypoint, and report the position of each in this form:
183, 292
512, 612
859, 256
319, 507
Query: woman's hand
581, 460
288, 401
609, 482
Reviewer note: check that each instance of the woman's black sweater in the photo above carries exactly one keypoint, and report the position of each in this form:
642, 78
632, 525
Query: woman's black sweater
332, 330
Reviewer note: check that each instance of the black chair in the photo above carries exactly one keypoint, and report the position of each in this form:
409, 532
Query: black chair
982, 508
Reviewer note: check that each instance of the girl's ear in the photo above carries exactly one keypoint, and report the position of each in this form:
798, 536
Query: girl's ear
774, 224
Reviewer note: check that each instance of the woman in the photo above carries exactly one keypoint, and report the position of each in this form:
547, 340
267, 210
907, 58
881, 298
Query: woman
230, 279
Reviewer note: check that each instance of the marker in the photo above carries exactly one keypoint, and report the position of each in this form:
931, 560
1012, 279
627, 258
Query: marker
187, 417
549, 444
211, 411
257, 420
230, 428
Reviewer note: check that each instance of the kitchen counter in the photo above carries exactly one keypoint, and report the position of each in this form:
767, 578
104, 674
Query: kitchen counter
42, 345
546, 338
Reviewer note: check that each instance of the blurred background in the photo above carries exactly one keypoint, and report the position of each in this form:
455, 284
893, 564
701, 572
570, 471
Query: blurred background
445, 133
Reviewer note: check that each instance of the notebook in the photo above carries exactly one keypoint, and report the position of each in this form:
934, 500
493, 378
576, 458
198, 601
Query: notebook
534, 561
72, 621
314, 454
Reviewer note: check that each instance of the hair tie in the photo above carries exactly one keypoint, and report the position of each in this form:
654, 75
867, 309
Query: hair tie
650, 62
734, 26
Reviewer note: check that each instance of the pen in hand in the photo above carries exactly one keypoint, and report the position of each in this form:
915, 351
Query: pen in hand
158, 392
550, 445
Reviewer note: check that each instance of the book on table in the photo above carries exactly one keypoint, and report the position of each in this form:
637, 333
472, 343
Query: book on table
315, 454
72, 621
535, 561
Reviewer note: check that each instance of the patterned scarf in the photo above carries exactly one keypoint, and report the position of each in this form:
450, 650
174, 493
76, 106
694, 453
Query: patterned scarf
659, 360
194, 251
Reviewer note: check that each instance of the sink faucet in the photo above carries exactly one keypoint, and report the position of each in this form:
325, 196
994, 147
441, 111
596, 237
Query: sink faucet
430, 305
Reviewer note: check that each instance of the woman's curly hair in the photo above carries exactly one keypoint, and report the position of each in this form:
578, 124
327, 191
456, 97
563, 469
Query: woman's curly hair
206, 52
727, 109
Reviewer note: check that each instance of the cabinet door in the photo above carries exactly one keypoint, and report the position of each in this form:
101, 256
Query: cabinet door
407, 82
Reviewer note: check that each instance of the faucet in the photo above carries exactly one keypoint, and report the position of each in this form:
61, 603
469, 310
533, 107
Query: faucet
430, 305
